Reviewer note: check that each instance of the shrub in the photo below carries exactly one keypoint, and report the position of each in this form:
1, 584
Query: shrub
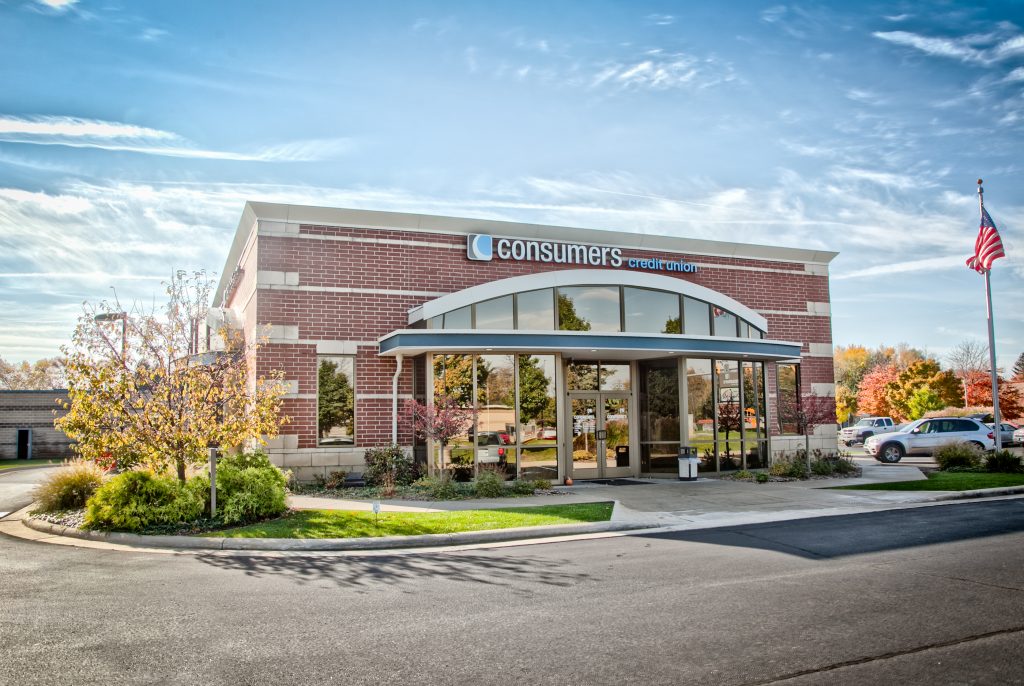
243, 495
793, 466
541, 485
388, 467
761, 478
489, 483
845, 466
958, 454
136, 500
1003, 461
335, 479
743, 474
439, 488
244, 460
822, 467
523, 487
69, 487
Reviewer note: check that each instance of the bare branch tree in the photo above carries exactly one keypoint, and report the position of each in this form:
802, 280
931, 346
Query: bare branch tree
968, 357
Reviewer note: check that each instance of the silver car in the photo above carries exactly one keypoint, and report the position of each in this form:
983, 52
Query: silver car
1006, 432
924, 436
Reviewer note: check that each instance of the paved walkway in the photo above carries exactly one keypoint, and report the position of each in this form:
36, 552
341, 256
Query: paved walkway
663, 502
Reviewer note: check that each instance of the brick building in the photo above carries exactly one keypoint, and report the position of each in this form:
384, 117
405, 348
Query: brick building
583, 353
26, 425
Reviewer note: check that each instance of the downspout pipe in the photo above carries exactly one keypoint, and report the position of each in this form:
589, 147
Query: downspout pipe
394, 399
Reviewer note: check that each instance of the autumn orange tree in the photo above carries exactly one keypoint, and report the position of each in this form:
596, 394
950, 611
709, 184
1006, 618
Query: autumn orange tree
979, 393
872, 398
921, 387
150, 399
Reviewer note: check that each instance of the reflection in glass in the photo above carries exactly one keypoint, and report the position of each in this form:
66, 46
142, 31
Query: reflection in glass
588, 308
582, 376
696, 317
537, 432
659, 401
335, 404
659, 458
495, 314
725, 323
700, 402
730, 415
789, 397
453, 377
536, 310
584, 432
614, 377
461, 318
495, 407
616, 426
648, 311
755, 446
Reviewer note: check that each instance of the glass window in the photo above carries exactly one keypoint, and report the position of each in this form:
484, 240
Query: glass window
436, 322
788, 398
453, 377
614, 377
701, 407
725, 323
535, 310
588, 308
495, 314
696, 317
495, 408
755, 448
731, 419
648, 311
538, 425
582, 376
335, 400
461, 318
659, 415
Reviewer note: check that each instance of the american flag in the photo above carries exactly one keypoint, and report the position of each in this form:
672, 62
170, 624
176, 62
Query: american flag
988, 246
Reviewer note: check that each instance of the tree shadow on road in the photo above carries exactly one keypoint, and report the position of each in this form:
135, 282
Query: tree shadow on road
845, 535
364, 571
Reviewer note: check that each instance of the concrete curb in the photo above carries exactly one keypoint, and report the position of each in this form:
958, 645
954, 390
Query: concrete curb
324, 544
981, 493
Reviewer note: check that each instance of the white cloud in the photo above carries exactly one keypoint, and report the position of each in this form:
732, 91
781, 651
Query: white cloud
926, 264
961, 48
663, 71
59, 5
661, 19
1015, 75
74, 132
74, 127
152, 35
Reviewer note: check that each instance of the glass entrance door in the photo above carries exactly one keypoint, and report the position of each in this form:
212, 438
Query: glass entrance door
600, 435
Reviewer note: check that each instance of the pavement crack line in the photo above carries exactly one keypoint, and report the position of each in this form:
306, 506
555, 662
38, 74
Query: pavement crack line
887, 656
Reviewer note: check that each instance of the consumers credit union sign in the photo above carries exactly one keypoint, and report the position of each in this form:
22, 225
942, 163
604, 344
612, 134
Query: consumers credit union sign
484, 248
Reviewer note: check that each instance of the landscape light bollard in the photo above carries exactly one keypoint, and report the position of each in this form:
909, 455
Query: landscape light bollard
213, 482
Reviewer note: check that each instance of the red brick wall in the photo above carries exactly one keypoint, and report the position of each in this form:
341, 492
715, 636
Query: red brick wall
367, 316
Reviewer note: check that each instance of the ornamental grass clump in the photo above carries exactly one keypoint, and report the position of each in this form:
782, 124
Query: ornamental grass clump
958, 456
69, 487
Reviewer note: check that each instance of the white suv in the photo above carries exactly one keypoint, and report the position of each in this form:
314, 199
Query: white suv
924, 436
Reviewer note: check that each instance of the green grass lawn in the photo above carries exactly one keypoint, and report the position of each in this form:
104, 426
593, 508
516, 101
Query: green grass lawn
11, 464
344, 524
947, 481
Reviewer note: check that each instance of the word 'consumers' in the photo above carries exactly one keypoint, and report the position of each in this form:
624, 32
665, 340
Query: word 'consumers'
561, 253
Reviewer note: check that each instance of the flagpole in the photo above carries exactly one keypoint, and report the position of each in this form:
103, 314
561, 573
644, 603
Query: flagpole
996, 420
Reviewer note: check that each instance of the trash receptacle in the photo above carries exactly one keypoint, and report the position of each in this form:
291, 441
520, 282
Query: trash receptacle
688, 464
622, 456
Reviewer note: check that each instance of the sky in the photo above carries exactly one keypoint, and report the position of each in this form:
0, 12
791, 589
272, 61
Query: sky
132, 133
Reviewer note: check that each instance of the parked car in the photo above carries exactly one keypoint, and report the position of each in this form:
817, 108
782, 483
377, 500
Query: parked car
1018, 436
548, 433
487, 439
924, 436
1005, 432
865, 428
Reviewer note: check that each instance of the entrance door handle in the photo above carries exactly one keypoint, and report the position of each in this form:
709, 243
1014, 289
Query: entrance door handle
602, 435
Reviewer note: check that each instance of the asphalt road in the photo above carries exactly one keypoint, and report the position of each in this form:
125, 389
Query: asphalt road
931, 595
16, 488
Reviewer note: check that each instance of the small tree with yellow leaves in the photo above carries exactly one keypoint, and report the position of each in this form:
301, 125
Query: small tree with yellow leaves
142, 396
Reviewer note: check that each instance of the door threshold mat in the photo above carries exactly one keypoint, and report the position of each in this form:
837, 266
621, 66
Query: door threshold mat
614, 482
